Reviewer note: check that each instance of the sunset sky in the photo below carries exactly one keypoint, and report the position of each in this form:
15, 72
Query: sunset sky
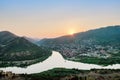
52, 18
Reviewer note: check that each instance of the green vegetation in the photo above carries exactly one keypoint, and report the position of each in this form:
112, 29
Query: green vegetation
56, 73
65, 74
17, 51
99, 61
99, 46
20, 49
23, 63
5, 37
75, 74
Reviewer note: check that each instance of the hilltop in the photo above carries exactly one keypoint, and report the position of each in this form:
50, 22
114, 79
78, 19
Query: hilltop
15, 50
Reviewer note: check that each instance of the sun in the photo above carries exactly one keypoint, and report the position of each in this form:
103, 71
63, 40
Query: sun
71, 32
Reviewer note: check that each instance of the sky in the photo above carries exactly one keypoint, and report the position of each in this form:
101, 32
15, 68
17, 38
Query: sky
53, 18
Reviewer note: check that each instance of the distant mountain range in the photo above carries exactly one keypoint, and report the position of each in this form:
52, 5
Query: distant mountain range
15, 48
99, 46
33, 40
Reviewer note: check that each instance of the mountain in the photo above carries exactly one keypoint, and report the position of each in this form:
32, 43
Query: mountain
6, 36
33, 40
17, 49
93, 46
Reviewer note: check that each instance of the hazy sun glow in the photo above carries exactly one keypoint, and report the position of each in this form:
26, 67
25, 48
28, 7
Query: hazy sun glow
71, 32
54, 18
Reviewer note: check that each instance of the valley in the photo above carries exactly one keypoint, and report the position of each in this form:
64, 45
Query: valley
100, 46
59, 39
90, 55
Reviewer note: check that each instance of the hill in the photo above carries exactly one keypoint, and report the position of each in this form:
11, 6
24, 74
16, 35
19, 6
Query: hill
98, 46
17, 50
6, 36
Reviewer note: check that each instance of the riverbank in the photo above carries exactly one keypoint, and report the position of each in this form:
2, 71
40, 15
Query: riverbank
97, 61
24, 63
65, 74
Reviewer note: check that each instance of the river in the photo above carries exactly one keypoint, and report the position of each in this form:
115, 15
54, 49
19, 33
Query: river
56, 61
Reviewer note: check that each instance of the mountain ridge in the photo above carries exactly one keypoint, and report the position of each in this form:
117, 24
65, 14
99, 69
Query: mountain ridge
6, 36
96, 44
15, 48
